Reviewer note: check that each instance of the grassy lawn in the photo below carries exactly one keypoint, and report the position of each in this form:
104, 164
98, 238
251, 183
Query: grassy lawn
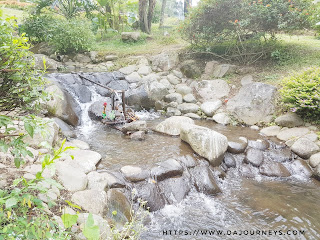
10, 12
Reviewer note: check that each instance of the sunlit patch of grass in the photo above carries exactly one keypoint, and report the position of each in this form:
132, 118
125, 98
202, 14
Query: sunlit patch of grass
10, 12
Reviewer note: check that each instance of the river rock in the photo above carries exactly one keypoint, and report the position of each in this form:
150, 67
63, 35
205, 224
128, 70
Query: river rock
274, 169
151, 193
254, 157
205, 142
135, 174
192, 115
157, 91
104, 227
166, 169
209, 69
223, 69
72, 178
314, 160
316, 172
172, 112
61, 105
254, 103
304, 148
183, 89
221, 118
289, 120
189, 98
190, 69
133, 77
93, 201
138, 136
280, 155
166, 83
211, 90
130, 36
144, 70
209, 108
173, 97
237, 146
84, 159
65, 128
173, 79
187, 161
78, 144
301, 168
311, 136
96, 109
128, 69
271, 131
50, 64
246, 80
188, 108
259, 144
289, 133
104, 180
247, 171
139, 98
165, 61
172, 125
229, 160
82, 92
119, 203
204, 180
135, 126
175, 189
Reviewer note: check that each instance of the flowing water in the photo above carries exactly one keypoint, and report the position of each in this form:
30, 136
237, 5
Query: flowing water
259, 208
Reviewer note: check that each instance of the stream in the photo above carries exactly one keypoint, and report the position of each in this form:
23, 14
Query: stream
258, 208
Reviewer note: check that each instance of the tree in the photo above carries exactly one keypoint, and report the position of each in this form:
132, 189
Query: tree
186, 5
146, 9
163, 7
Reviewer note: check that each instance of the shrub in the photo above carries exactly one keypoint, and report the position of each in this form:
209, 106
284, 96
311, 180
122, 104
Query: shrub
74, 35
300, 93
38, 27
20, 84
244, 30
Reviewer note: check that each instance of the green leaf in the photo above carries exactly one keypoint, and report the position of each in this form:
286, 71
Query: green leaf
73, 205
17, 162
11, 202
91, 231
29, 128
69, 220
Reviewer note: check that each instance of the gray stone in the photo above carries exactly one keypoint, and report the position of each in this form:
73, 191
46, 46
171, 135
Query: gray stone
167, 169
205, 142
280, 155
223, 69
172, 112
110, 57
229, 160
274, 169
157, 91
50, 64
314, 160
173, 97
189, 98
95, 110
254, 103
135, 126
204, 180
187, 161
301, 168
211, 90
81, 58
78, 144
289, 133
65, 128
177, 73
134, 174
209, 108
289, 120
311, 136
192, 115
139, 98
72, 178
84, 159
271, 131
259, 144
254, 157
128, 70
238, 146
144, 70
82, 92
172, 125
93, 201
138, 136
247, 171
304, 148
165, 61
221, 118
316, 172
133, 77
104, 180
183, 89
130, 36
246, 80
210, 67
173, 79
188, 108
166, 83
150, 192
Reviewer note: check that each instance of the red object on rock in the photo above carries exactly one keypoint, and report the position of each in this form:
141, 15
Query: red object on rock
226, 100
105, 104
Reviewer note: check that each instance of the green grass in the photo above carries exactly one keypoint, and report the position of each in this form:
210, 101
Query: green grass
10, 12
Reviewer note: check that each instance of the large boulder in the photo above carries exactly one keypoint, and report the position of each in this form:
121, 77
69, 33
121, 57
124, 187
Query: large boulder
103, 181
134, 174
130, 36
304, 148
62, 105
96, 109
139, 98
274, 169
84, 159
104, 227
43, 62
314, 160
211, 90
165, 61
82, 92
223, 69
254, 103
157, 91
172, 125
190, 69
173, 97
65, 128
135, 126
205, 142
237, 146
271, 131
188, 108
204, 180
290, 133
93, 201
254, 156
289, 120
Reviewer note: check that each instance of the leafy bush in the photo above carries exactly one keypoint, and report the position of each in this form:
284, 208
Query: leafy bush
244, 30
301, 93
20, 84
38, 27
74, 35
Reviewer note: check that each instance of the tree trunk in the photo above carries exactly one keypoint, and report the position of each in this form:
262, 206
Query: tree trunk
152, 4
142, 14
163, 7
187, 4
